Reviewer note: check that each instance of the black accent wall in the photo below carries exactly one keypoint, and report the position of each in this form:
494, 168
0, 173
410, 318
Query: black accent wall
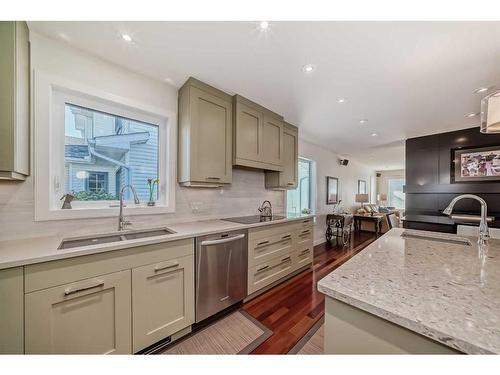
428, 174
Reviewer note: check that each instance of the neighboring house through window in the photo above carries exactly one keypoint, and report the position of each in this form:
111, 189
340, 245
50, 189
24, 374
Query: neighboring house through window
101, 147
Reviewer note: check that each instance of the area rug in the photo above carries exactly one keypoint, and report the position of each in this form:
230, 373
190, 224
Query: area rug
236, 333
312, 342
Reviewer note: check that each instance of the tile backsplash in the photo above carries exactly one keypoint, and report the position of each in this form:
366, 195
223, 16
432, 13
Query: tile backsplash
243, 197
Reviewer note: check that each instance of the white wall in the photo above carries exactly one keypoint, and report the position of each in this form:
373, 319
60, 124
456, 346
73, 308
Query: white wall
16, 199
327, 164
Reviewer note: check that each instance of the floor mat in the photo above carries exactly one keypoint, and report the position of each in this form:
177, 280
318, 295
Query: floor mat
312, 342
236, 333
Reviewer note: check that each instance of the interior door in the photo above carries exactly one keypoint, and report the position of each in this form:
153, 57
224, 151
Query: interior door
91, 316
163, 300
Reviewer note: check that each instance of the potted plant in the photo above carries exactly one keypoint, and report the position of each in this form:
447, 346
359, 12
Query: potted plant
151, 183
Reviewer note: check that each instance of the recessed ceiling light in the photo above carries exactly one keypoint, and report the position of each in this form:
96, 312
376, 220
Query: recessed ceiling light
472, 114
264, 25
363, 121
341, 100
308, 68
374, 134
482, 89
126, 37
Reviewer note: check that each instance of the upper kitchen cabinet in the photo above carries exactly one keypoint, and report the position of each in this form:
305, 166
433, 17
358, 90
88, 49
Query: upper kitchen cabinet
258, 136
287, 179
14, 101
205, 135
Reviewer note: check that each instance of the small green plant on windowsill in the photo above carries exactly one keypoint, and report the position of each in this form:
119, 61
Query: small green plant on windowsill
151, 183
100, 195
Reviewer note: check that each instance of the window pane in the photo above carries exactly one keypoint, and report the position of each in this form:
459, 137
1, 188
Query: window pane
104, 152
396, 195
300, 198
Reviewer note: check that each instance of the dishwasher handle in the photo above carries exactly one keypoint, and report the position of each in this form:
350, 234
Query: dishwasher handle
223, 240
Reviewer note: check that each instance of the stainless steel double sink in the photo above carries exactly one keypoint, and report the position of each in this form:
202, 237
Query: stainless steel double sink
70, 243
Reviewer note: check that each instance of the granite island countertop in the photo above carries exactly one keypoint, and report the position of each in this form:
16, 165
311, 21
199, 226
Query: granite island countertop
21, 252
440, 290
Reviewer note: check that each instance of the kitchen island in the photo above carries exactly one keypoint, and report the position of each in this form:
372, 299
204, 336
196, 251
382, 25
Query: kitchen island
415, 292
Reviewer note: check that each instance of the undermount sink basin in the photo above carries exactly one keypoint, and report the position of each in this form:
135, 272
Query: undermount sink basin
114, 237
456, 241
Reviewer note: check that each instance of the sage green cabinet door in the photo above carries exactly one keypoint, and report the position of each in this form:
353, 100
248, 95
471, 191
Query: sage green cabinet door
163, 300
211, 137
287, 179
272, 141
248, 137
11, 311
91, 316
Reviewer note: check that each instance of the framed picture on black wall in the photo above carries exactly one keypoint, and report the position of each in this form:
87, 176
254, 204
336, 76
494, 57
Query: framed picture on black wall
332, 190
361, 187
475, 164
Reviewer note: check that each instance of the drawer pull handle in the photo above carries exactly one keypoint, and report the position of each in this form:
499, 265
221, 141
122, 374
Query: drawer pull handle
213, 178
306, 221
286, 237
70, 291
304, 251
291, 183
262, 269
285, 259
262, 243
305, 232
161, 268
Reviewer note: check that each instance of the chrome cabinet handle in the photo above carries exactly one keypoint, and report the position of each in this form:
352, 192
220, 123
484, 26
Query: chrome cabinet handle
70, 291
262, 269
223, 240
262, 243
161, 268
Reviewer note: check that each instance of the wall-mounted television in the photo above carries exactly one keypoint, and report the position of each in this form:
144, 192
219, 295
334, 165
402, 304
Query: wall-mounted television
476, 164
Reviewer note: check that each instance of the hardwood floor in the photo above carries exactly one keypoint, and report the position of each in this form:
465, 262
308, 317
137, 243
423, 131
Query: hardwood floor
293, 307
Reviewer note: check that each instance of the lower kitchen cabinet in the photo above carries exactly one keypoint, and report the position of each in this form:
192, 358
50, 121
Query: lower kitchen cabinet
11, 311
162, 300
85, 317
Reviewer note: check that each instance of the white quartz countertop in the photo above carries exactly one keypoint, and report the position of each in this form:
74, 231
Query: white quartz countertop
26, 251
441, 290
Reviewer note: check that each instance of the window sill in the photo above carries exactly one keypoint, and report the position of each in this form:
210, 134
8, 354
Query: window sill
101, 212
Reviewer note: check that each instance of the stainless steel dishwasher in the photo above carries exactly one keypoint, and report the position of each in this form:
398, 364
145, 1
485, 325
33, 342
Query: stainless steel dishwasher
221, 271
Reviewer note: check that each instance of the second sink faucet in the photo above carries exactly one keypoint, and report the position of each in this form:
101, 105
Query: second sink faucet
484, 233
122, 223
266, 211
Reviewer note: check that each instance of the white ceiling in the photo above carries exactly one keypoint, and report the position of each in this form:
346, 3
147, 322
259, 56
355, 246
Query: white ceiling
406, 78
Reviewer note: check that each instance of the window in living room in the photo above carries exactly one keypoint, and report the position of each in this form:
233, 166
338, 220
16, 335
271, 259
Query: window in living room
300, 198
396, 196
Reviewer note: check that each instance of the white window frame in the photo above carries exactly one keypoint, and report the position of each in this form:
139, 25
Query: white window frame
50, 93
312, 186
389, 178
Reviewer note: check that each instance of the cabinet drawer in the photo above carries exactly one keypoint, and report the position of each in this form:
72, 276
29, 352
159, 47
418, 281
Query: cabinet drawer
304, 236
269, 272
264, 250
306, 223
90, 316
302, 258
58, 272
265, 232
163, 300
